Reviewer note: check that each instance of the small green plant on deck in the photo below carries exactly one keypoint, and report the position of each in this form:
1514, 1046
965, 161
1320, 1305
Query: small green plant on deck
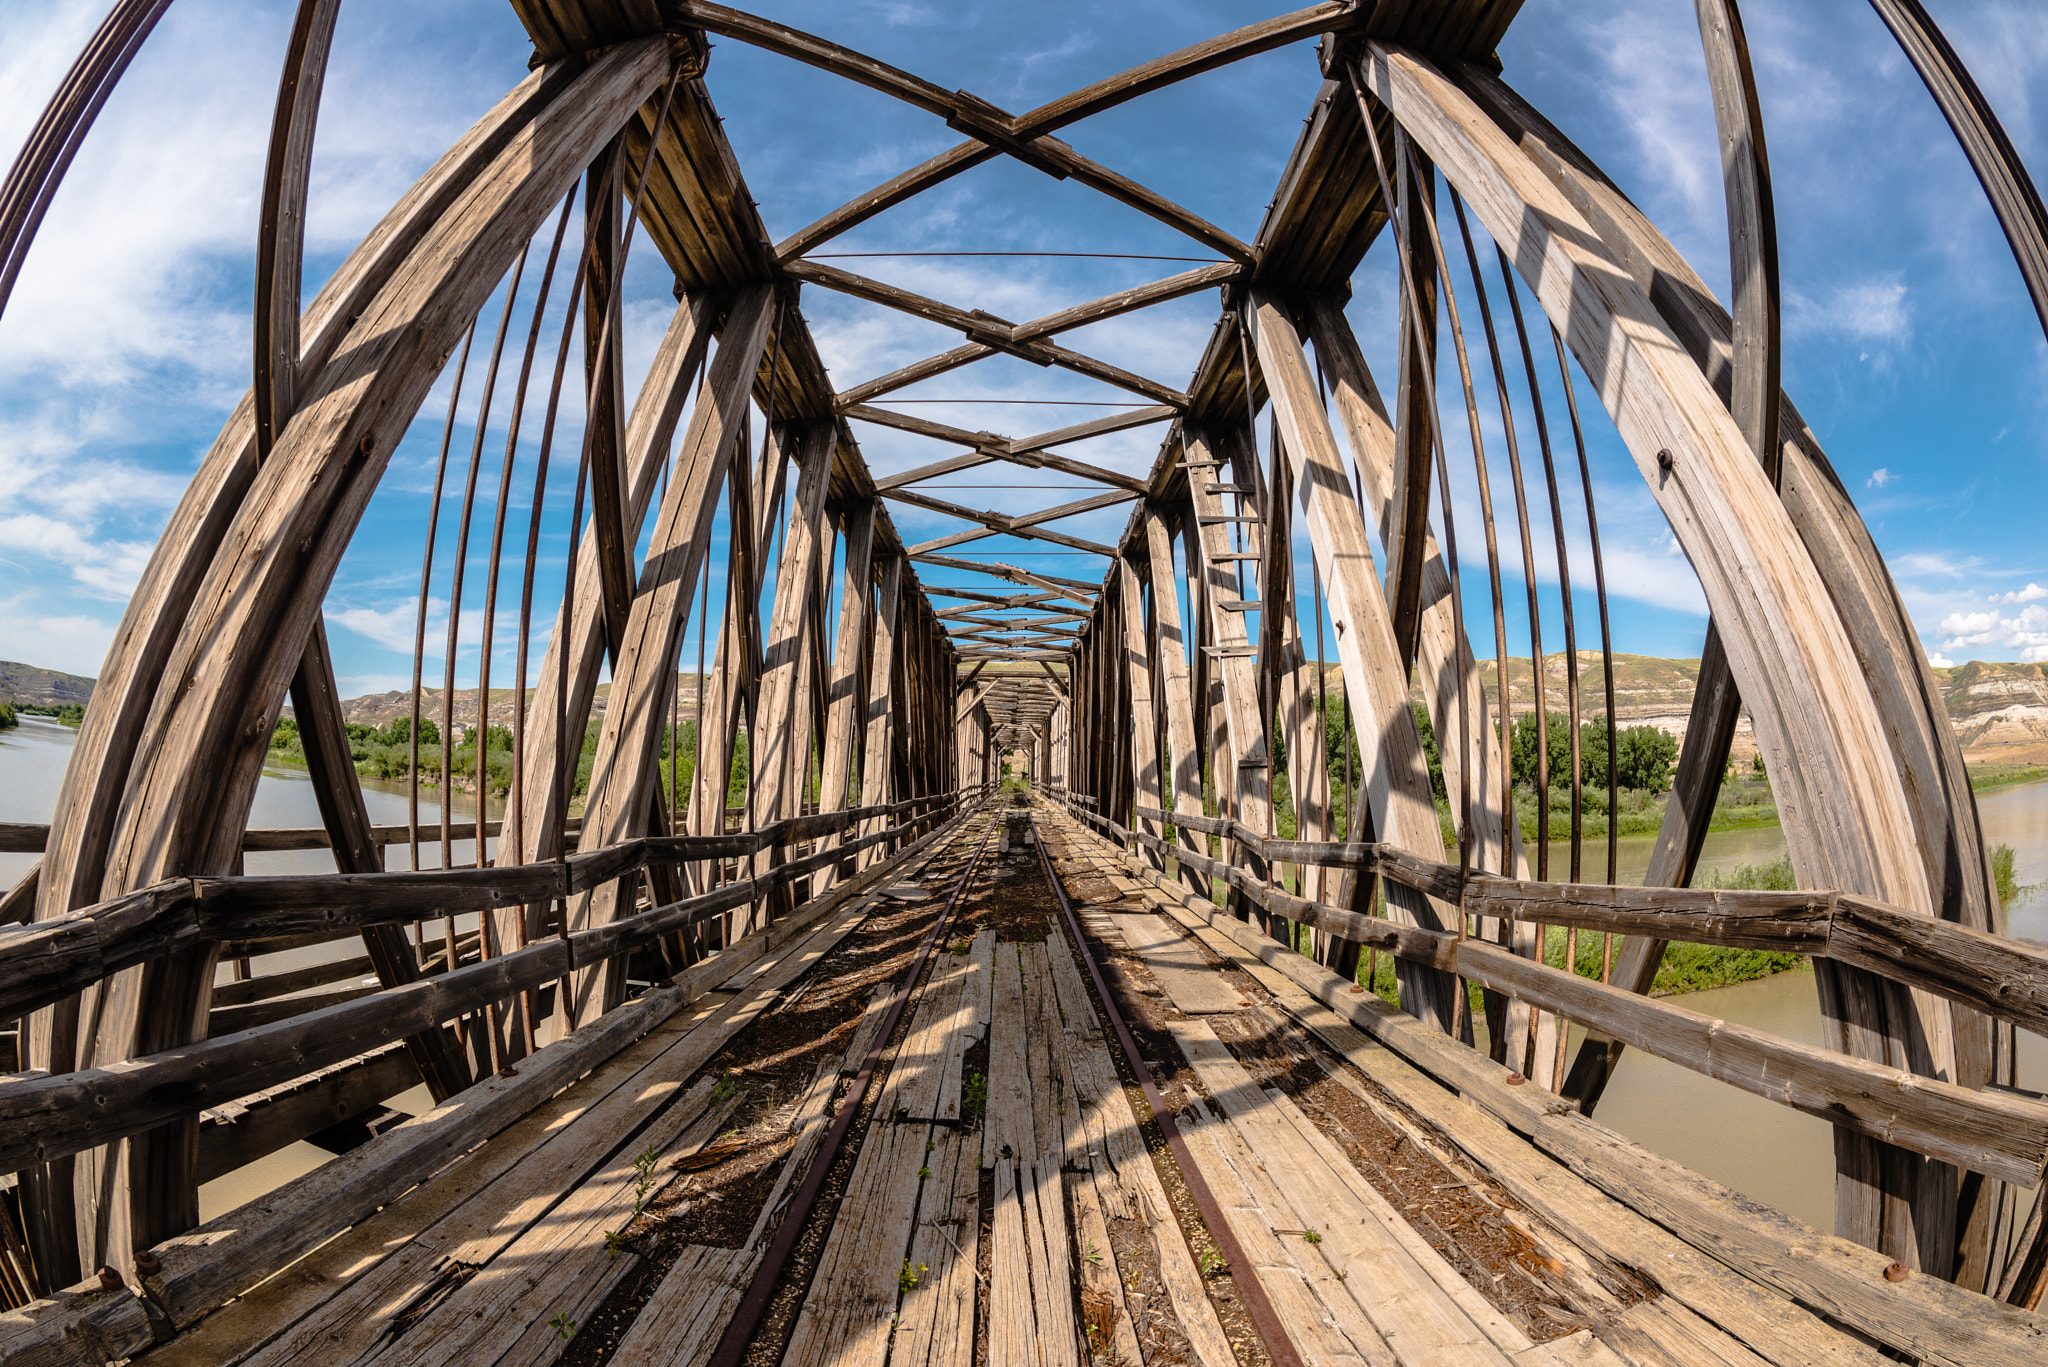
924, 1172
562, 1325
1312, 1236
1211, 1262
906, 1280
974, 1099
1092, 1254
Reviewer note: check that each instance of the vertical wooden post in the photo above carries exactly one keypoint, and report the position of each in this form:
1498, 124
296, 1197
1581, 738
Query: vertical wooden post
628, 747
1397, 780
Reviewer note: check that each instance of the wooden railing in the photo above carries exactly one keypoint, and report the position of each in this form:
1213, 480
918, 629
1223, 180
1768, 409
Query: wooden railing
1997, 1132
45, 1116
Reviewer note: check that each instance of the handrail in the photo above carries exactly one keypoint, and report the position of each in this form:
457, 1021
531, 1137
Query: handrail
2004, 977
2001, 1134
45, 1116
43, 962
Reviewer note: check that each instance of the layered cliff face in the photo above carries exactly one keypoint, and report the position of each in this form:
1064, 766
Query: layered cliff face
2000, 711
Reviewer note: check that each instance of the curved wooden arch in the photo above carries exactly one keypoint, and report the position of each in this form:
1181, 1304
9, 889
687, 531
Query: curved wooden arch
1869, 777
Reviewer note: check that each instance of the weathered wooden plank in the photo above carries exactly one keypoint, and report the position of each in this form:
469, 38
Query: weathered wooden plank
1924, 1316
1195, 985
255, 1126
525, 1283
1008, 1129
1404, 1304
680, 1323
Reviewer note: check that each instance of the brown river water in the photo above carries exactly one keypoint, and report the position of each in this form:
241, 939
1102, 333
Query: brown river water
1762, 1149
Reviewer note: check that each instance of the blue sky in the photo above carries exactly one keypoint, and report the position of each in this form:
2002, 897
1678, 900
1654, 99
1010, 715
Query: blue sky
1910, 344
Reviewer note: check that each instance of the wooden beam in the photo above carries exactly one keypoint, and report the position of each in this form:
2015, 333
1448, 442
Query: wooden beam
622, 771
1815, 715
911, 374
1154, 75
1396, 777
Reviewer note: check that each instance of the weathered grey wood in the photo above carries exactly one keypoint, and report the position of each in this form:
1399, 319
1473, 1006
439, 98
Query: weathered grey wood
535, 809
879, 720
1196, 986
228, 1141
1397, 779
1815, 714
644, 679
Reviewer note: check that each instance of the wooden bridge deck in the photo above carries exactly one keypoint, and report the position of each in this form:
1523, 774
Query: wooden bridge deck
1005, 1198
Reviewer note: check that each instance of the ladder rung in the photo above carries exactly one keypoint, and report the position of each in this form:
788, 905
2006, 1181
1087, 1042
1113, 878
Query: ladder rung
1238, 555
1219, 521
1238, 604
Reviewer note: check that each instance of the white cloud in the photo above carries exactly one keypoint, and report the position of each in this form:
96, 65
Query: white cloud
1879, 478
108, 567
2022, 635
75, 644
1867, 312
1939, 660
2029, 594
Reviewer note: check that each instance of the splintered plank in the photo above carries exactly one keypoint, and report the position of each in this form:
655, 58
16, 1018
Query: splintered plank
464, 1217
546, 1267
1012, 1337
1408, 1307
937, 1328
845, 1319
936, 1029
1009, 1129
1052, 1267
1102, 1284
1044, 1055
977, 991
681, 1322
1325, 1325
1091, 1086
1196, 986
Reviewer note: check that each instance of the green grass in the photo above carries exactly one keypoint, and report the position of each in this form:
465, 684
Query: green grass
1986, 778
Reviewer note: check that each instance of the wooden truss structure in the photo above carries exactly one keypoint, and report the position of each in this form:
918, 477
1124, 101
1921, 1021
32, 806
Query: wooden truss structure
874, 702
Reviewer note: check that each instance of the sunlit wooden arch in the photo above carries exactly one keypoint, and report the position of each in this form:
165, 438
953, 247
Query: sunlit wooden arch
1119, 701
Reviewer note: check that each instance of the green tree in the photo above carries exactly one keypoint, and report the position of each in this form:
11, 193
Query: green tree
7, 717
1645, 756
1558, 741
1593, 745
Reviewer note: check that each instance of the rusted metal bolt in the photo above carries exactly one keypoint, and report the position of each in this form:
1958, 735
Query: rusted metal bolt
1358, 989
1516, 1079
1897, 1272
110, 1279
147, 1263
1665, 460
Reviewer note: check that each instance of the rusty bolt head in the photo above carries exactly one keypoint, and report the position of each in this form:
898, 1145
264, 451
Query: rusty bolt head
1665, 460
368, 445
1358, 989
1897, 1272
110, 1279
147, 1263
1516, 1079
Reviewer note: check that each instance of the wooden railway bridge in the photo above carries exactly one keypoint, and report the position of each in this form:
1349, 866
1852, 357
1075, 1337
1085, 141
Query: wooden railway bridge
1089, 1080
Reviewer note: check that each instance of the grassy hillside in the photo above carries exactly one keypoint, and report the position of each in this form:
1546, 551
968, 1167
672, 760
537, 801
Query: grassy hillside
20, 683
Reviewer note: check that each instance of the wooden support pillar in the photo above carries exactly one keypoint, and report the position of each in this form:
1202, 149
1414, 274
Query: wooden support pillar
1396, 777
1249, 776
1144, 748
842, 697
1453, 691
780, 748
876, 768
628, 747
1170, 679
